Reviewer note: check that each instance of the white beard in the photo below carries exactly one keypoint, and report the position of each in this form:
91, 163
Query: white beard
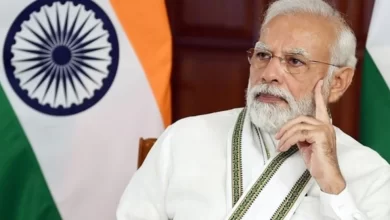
271, 117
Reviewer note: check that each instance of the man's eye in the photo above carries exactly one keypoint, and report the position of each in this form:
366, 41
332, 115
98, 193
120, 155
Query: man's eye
263, 55
295, 62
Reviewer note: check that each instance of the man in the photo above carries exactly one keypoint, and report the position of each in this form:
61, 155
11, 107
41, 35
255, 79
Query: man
279, 157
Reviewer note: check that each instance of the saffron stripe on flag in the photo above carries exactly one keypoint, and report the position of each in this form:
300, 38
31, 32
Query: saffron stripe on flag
147, 27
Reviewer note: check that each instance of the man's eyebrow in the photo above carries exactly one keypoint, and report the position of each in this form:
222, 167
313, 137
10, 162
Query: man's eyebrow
294, 51
261, 46
297, 51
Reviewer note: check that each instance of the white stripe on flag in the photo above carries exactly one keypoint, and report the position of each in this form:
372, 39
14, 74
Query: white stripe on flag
378, 41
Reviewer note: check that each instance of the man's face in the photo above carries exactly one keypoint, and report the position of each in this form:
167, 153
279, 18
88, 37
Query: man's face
280, 91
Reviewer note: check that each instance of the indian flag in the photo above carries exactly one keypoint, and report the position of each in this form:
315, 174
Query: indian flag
81, 81
375, 102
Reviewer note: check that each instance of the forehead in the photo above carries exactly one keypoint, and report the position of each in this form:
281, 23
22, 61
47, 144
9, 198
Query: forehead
310, 33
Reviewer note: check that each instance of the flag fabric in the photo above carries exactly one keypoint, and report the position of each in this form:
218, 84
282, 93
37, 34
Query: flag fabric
375, 96
81, 81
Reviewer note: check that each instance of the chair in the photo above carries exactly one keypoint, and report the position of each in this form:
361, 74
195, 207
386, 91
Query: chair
144, 147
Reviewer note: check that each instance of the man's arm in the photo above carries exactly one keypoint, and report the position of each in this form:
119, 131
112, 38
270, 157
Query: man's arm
144, 196
374, 205
316, 140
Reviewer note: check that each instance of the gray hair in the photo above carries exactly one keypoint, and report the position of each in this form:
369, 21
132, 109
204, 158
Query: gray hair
343, 50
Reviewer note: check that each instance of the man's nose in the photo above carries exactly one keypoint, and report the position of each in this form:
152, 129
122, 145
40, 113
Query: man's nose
273, 72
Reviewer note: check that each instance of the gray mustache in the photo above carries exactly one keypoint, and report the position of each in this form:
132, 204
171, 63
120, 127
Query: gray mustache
270, 90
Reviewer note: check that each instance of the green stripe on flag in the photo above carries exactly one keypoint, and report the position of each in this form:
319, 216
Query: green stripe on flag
375, 109
24, 194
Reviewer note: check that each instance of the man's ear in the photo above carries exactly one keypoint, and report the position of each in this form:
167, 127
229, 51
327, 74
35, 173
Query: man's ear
342, 79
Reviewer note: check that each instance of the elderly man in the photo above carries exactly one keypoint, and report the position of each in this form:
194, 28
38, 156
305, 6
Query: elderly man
280, 157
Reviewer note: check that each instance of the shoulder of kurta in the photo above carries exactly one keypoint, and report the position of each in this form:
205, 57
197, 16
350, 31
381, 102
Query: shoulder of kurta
202, 133
202, 124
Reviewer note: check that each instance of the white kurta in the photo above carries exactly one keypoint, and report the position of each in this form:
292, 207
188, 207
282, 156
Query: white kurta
185, 177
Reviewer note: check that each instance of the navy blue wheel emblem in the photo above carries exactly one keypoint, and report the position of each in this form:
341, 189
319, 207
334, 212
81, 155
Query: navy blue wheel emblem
61, 57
